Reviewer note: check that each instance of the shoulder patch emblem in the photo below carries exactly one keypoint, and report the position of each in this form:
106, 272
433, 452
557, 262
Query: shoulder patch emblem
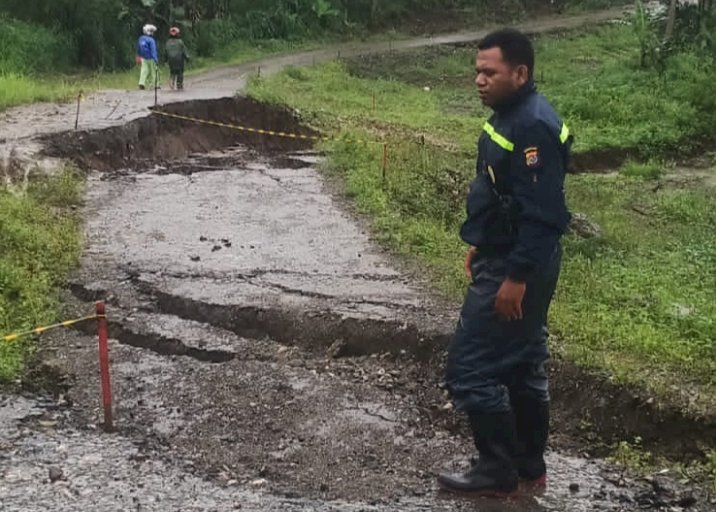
532, 158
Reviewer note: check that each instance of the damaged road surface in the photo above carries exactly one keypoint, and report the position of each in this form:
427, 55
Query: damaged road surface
265, 356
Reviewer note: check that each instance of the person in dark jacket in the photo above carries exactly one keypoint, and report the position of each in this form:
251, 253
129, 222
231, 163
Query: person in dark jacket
516, 214
148, 56
177, 57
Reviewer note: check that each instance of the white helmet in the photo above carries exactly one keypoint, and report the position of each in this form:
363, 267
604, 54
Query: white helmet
149, 29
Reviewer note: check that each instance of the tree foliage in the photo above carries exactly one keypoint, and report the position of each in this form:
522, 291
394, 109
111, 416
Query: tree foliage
680, 26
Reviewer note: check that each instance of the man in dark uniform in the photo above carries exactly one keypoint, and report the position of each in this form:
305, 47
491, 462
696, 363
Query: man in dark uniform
516, 216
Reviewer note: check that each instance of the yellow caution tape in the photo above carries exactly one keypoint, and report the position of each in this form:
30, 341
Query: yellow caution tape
39, 330
261, 131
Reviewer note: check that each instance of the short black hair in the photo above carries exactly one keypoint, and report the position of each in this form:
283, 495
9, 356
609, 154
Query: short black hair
516, 47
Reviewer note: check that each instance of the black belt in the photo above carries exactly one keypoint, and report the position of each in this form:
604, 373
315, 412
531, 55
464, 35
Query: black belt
493, 251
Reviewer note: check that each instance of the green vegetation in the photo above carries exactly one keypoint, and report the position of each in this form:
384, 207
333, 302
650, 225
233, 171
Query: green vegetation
18, 89
635, 460
52, 50
633, 457
30, 49
40, 240
638, 301
651, 169
594, 81
102, 32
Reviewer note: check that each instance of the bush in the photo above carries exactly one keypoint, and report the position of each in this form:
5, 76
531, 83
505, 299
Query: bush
101, 31
212, 35
280, 24
40, 243
31, 49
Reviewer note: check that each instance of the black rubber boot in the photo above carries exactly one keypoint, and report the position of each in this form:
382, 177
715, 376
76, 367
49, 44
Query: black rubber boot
494, 474
532, 421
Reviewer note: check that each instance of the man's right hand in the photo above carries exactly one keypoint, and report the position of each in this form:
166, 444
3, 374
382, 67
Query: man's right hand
471, 252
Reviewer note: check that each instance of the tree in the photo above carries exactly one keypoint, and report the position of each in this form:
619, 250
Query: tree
671, 19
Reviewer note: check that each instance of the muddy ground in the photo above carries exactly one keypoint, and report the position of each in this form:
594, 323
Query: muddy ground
266, 354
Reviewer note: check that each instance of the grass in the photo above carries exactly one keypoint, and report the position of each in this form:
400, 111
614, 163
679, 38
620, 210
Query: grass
639, 301
625, 106
40, 240
635, 460
594, 80
652, 169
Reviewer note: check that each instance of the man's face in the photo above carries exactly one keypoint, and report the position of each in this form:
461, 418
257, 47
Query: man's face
496, 79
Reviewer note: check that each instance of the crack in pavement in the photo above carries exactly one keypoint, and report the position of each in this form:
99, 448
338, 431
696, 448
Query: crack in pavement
254, 279
259, 272
350, 302
311, 329
372, 414
161, 345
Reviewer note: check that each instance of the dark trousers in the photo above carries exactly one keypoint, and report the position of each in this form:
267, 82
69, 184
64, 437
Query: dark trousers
177, 76
490, 359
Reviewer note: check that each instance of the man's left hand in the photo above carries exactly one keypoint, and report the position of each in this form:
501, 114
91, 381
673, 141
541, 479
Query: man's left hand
508, 304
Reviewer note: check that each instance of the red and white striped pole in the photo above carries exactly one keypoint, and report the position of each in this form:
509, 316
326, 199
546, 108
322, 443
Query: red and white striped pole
104, 365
